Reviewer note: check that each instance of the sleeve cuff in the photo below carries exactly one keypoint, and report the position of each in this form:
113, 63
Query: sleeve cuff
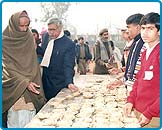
147, 114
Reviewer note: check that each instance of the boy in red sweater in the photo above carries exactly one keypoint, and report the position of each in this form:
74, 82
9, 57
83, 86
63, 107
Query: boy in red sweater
145, 96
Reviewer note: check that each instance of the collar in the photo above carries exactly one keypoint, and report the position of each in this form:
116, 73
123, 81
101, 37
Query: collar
137, 37
60, 35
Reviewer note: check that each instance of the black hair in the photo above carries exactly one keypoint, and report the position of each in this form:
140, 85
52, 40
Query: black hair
134, 19
67, 33
75, 40
80, 38
35, 31
151, 18
87, 42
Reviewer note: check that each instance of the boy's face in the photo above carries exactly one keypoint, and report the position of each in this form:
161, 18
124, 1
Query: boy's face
149, 33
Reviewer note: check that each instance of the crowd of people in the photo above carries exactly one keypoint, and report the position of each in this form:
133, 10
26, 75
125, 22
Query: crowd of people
34, 69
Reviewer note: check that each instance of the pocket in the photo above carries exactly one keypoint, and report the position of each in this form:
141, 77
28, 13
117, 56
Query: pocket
148, 75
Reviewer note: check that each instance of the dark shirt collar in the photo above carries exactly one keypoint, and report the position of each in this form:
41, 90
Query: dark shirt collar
137, 37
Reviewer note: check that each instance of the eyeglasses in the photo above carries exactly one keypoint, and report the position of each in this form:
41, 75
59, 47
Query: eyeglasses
52, 29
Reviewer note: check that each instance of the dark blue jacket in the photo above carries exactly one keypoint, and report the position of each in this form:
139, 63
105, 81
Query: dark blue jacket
88, 55
61, 68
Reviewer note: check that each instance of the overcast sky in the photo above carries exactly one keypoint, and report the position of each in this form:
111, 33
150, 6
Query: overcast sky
87, 17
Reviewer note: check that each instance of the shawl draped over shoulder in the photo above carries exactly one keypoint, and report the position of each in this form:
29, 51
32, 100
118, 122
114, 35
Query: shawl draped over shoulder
19, 66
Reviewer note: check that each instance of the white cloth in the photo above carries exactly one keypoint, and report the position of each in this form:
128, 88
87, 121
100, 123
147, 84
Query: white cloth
149, 50
117, 54
47, 55
117, 57
104, 55
20, 118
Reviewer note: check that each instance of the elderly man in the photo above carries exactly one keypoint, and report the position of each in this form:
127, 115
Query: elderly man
58, 60
102, 53
21, 80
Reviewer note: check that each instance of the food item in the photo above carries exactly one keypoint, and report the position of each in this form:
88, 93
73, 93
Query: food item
88, 95
93, 106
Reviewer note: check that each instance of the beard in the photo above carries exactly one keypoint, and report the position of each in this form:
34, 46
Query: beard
105, 40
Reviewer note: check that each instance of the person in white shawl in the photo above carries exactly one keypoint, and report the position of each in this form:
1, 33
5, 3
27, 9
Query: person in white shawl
58, 60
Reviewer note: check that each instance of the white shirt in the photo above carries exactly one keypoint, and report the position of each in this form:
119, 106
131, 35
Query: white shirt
117, 54
149, 50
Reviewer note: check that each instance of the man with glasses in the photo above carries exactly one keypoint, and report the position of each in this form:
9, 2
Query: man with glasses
102, 53
58, 60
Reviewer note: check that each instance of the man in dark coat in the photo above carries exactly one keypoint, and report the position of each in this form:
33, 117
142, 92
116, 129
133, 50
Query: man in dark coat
58, 60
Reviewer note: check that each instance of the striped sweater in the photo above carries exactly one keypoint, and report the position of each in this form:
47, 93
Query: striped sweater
134, 58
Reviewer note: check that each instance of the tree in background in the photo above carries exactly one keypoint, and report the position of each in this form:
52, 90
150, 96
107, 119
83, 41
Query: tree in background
54, 9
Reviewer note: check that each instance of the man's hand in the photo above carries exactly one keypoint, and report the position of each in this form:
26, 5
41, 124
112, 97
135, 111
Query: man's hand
108, 66
123, 69
88, 61
120, 76
114, 84
143, 120
128, 109
72, 87
114, 71
32, 87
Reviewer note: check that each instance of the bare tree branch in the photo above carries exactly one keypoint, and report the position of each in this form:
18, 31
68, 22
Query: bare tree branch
54, 9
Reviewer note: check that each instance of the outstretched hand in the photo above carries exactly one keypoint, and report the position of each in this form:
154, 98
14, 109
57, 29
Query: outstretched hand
108, 66
72, 87
32, 87
114, 84
128, 109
